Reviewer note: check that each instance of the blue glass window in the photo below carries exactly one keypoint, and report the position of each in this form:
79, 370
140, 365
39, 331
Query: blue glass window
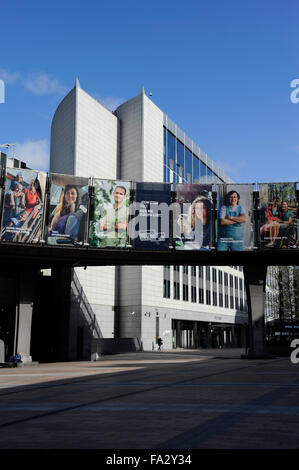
195, 169
210, 175
170, 148
202, 172
164, 146
180, 159
188, 165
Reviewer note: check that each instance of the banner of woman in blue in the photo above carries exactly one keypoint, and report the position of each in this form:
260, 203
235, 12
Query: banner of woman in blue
234, 218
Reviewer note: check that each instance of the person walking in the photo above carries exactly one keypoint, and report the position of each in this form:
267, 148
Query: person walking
160, 342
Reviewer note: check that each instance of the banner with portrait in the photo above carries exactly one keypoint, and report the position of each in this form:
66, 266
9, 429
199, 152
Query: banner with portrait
69, 204
234, 230
23, 206
278, 217
150, 226
109, 226
192, 217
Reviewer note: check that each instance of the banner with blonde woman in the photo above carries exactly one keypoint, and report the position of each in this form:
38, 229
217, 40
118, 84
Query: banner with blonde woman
109, 226
278, 218
192, 217
69, 202
23, 211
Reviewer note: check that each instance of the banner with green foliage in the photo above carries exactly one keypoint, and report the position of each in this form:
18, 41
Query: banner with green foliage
109, 225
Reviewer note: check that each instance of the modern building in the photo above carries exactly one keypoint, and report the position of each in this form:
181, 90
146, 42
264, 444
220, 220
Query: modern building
187, 306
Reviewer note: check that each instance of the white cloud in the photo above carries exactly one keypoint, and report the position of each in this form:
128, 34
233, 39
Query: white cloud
9, 77
44, 84
110, 102
234, 170
35, 153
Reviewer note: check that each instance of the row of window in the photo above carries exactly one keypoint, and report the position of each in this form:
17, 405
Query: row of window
230, 292
272, 304
182, 166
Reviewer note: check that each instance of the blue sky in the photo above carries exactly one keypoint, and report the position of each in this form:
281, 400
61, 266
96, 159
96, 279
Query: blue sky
221, 70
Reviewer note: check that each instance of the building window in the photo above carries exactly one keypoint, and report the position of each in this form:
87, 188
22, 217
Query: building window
214, 284
188, 166
202, 172
185, 292
193, 293
180, 160
166, 290
195, 170
176, 282
176, 290
231, 289
220, 288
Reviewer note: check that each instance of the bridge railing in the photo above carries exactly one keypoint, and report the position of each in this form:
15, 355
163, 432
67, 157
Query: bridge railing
79, 298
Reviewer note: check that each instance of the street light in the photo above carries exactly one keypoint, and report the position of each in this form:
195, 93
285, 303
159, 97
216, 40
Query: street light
6, 146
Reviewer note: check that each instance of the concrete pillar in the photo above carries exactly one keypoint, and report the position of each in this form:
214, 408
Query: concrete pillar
178, 334
2, 351
24, 313
195, 335
255, 281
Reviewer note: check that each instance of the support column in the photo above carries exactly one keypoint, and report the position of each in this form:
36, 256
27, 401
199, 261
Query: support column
24, 314
195, 335
178, 334
255, 282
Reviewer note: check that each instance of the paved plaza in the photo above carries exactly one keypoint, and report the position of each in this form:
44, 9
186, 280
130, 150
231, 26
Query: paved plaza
203, 399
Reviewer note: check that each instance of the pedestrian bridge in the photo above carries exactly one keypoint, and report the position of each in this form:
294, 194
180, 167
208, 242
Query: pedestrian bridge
43, 256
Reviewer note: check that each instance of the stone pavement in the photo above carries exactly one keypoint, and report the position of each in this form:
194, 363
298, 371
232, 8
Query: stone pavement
202, 399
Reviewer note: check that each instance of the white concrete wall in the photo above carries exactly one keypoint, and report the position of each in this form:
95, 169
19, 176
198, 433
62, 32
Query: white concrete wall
96, 138
62, 150
84, 142
131, 137
152, 142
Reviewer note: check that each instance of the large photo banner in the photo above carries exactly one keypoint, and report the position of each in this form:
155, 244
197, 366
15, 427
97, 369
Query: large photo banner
234, 217
278, 218
24, 195
109, 227
150, 227
192, 217
69, 201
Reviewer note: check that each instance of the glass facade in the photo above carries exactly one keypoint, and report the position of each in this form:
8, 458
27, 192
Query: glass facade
181, 165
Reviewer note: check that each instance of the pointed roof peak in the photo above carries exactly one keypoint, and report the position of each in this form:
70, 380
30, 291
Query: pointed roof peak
142, 92
77, 83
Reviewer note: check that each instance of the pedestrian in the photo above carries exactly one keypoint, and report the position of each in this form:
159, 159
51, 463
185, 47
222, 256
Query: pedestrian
160, 342
17, 359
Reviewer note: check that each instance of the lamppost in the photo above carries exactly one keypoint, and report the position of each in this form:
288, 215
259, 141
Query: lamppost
6, 146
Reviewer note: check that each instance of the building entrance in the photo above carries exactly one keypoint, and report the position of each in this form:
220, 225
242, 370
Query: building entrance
193, 335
